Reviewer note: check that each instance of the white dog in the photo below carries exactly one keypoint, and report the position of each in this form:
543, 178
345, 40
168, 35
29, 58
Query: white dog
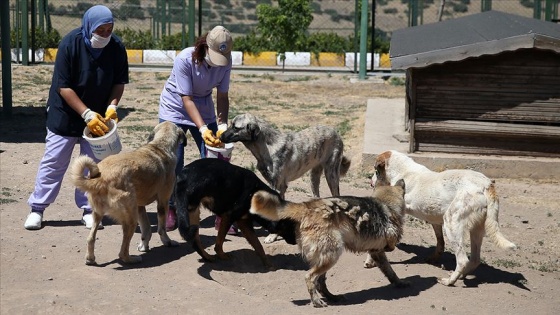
459, 200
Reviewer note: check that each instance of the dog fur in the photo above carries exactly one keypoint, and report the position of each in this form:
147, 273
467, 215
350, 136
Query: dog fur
226, 190
325, 227
460, 201
121, 185
284, 157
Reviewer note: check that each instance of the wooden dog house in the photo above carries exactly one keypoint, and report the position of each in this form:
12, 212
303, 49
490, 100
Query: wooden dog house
487, 83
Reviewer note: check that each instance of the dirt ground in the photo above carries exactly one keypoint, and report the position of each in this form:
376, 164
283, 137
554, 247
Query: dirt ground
44, 271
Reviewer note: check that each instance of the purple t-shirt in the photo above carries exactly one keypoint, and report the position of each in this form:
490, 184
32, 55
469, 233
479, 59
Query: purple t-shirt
195, 80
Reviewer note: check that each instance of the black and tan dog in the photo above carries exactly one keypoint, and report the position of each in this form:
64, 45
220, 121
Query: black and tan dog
325, 227
226, 190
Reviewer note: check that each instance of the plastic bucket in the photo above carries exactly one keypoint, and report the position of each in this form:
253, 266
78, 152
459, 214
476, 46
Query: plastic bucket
106, 145
219, 153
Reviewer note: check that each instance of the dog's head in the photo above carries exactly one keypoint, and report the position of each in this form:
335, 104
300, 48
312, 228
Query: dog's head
167, 132
244, 128
380, 177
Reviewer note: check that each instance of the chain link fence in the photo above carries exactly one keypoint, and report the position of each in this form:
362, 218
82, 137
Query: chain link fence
165, 25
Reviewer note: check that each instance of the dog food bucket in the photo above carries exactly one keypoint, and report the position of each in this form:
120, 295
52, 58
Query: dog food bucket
219, 153
106, 145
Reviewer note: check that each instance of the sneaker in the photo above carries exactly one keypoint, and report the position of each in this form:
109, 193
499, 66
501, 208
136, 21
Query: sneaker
34, 221
87, 220
171, 221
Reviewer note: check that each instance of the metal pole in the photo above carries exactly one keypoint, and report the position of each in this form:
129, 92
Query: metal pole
24, 33
372, 34
356, 32
199, 18
363, 40
6, 59
183, 24
33, 27
537, 10
191, 22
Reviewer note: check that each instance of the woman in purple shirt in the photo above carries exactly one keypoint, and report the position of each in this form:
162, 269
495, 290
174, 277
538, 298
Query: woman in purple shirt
90, 71
186, 99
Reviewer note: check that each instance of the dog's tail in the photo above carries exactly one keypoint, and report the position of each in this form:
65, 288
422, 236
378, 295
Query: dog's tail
271, 207
344, 165
186, 230
92, 182
491, 224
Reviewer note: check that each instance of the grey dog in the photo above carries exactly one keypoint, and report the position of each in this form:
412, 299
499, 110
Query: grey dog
284, 157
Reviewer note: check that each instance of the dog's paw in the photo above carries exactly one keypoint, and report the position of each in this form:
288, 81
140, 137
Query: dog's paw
91, 262
319, 303
369, 264
143, 247
271, 238
132, 259
445, 281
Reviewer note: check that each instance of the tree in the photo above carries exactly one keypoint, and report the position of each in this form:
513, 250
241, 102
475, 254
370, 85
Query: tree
285, 26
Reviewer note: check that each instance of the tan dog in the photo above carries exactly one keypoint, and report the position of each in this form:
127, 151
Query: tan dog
325, 227
122, 185
462, 201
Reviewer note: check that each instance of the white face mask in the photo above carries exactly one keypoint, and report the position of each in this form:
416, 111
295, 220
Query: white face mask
208, 61
99, 41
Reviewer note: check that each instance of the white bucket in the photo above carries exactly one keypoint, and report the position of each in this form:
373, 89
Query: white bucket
219, 153
106, 145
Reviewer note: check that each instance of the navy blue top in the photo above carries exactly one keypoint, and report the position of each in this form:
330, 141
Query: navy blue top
91, 79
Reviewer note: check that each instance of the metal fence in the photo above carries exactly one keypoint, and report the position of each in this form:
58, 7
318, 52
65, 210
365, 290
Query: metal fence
168, 17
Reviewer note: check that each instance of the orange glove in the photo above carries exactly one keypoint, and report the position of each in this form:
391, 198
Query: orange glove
95, 123
208, 136
221, 129
111, 113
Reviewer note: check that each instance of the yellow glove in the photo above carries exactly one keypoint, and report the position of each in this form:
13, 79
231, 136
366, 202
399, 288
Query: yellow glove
111, 113
221, 129
208, 136
95, 123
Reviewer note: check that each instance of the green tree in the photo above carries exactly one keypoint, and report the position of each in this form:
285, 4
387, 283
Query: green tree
285, 26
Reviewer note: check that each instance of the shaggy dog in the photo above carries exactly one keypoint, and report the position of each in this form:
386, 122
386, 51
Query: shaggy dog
284, 157
462, 201
121, 185
226, 190
325, 227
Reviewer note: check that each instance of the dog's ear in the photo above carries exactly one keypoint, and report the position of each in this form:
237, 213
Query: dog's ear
401, 184
254, 130
182, 136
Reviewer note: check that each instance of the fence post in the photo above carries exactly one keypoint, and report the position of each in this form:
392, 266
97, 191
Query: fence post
363, 39
191, 22
486, 5
6, 59
24, 33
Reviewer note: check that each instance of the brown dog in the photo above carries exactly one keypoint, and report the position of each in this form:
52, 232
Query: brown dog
123, 184
325, 227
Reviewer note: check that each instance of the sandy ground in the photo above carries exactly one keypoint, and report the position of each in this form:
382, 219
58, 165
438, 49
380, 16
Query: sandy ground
44, 271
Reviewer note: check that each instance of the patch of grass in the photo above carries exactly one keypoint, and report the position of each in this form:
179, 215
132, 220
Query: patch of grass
299, 189
269, 77
137, 128
301, 78
4, 201
344, 127
507, 263
547, 266
294, 128
396, 81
